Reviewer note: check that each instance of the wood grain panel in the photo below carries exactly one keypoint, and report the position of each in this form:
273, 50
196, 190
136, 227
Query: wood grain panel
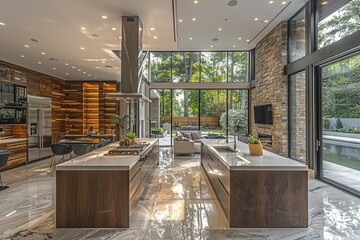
99, 199
266, 199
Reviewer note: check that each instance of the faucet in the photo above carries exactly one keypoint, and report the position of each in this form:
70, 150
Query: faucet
232, 130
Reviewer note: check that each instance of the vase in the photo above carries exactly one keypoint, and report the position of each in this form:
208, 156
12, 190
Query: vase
256, 149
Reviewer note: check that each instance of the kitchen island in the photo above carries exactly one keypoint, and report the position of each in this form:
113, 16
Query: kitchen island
97, 190
268, 191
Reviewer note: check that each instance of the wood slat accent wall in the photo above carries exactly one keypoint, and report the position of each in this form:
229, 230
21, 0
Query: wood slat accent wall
85, 105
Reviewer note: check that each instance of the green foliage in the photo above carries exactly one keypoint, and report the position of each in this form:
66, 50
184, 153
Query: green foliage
237, 120
121, 122
253, 140
131, 135
326, 123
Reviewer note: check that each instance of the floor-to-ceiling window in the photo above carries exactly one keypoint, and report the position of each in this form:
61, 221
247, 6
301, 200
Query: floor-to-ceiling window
340, 83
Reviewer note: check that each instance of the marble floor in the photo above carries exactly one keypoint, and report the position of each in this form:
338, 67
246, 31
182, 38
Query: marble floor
177, 204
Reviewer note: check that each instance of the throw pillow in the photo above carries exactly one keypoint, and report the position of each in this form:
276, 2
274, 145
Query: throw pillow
195, 135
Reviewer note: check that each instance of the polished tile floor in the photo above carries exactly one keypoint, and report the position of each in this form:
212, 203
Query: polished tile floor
177, 204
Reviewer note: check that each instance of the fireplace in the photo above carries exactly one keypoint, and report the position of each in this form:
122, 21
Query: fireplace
266, 139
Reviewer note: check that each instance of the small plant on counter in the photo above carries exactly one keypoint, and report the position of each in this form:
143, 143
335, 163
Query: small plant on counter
253, 140
121, 122
255, 146
131, 136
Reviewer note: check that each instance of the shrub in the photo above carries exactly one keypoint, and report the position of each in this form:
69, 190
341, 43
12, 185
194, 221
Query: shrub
253, 140
237, 120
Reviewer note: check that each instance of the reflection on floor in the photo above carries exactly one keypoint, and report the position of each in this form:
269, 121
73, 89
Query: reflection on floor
178, 204
344, 175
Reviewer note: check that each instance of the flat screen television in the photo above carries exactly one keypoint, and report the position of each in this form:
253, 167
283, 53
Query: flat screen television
263, 114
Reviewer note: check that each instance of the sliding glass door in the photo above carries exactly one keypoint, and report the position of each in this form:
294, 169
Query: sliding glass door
340, 122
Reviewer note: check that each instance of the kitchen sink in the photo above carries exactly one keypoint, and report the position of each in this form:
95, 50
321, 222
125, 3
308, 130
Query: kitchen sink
224, 148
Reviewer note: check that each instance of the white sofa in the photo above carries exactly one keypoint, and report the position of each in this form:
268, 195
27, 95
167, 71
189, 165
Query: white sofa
184, 147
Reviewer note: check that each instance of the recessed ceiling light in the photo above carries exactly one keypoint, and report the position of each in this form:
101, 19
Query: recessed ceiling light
67, 73
83, 28
247, 40
180, 20
234, 45
89, 75
104, 17
79, 70
239, 38
103, 62
195, 1
190, 38
39, 62
324, 3
26, 46
152, 29
54, 68
194, 19
283, 3
42, 53
256, 19
66, 64
265, 21
219, 29
22, 56
120, 37
271, 2
140, 29
224, 19
114, 29
73, 67
155, 37
98, 67
82, 48
84, 72
2, 24
211, 46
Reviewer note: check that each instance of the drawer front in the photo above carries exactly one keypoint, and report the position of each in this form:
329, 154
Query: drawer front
224, 176
134, 170
223, 197
213, 162
134, 184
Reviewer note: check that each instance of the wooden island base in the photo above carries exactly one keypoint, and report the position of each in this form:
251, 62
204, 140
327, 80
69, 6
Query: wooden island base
258, 198
102, 198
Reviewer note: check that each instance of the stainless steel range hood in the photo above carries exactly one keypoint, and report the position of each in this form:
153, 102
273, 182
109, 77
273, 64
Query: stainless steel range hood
131, 67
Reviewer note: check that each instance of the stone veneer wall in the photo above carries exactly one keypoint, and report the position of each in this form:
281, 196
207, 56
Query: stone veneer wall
298, 116
272, 87
155, 112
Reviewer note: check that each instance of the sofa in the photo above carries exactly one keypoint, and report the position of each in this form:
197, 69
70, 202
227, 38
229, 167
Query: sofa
187, 142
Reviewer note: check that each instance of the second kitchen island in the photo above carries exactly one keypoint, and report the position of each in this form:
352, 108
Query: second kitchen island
97, 190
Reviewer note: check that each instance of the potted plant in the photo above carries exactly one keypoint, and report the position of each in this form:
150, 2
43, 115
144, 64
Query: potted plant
132, 136
121, 122
255, 146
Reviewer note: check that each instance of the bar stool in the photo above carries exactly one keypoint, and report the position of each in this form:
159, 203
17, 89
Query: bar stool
4, 157
81, 149
59, 150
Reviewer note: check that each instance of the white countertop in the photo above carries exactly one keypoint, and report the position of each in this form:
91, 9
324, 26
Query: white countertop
97, 160
11, 140
242, 160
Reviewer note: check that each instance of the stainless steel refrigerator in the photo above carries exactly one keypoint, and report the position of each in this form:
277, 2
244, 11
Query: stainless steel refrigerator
39, 132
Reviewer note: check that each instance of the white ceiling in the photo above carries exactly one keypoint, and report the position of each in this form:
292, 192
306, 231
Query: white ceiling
57, 27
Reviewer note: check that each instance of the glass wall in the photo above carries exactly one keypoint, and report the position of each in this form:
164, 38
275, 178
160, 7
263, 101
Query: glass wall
199, 67
297, 37
212, 108
341, 122
237, 66
160, 66
185, 66
213, 66
297, 116
336, 20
